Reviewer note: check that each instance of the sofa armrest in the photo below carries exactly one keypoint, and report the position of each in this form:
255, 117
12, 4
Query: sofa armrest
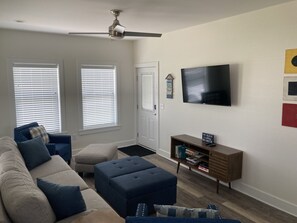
57, 138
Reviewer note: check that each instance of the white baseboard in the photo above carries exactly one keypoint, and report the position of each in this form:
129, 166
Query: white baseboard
253, 192
163, 153
266, 198
126, 143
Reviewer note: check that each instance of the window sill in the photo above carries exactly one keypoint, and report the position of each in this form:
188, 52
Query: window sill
98, 130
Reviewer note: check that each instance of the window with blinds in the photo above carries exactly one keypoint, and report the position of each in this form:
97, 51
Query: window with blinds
99, 96
37, 95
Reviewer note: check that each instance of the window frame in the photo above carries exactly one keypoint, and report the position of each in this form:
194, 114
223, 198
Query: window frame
59, 63
98, 128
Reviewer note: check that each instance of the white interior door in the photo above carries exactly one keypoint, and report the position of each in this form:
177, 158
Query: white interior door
147, 101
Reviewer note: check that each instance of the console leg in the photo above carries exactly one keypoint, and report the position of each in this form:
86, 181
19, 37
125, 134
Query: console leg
178, 164
230, 185
190, 168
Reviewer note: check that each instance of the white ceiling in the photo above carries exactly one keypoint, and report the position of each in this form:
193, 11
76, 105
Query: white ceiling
162, 16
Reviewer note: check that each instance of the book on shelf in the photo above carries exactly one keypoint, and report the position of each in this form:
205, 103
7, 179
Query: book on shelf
192, 160
203, 169
203, 166
180, 151
199, 156
193, 153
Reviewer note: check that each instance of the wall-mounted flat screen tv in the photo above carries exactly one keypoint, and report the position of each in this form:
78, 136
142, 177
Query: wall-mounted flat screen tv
207, 85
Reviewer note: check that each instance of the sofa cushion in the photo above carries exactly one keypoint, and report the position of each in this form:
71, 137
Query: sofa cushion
55, 165
39, 131
183, 212
34, 152
29, 204
65, 200
67, 178
93, 203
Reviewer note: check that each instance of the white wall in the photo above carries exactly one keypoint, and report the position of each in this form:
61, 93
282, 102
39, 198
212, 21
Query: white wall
70, 50
254, 44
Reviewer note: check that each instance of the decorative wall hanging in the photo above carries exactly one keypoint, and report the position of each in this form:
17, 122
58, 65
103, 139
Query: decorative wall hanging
290, 88
291, 61
289, 115
169, 86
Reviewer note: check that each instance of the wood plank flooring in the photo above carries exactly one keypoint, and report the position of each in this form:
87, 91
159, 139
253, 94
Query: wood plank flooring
194, 190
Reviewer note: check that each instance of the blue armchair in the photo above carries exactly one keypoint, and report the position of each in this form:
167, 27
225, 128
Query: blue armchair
58, 144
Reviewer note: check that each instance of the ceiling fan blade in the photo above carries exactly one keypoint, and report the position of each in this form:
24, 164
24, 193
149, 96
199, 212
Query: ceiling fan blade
127, 33
87, 33
119, 29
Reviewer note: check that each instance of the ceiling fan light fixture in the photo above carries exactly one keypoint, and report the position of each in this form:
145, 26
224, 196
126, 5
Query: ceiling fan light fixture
117, 31
115, 34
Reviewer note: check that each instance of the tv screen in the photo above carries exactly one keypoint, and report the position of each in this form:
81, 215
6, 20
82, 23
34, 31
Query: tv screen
207, 85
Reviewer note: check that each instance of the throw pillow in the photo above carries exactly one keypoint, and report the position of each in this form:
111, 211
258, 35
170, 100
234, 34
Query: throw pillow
64, 200
183, 212
34, 152
40, 131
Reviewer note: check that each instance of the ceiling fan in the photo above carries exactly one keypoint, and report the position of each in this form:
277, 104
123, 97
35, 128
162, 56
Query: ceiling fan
117, 31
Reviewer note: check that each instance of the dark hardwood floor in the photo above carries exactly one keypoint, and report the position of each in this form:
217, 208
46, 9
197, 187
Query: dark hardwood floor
194, 190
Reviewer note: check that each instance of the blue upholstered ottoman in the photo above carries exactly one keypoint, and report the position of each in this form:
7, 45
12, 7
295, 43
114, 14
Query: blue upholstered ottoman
126, 182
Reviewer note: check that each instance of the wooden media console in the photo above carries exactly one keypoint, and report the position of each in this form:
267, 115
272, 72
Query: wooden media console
221, 162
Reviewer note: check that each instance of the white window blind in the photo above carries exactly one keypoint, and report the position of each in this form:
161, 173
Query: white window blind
99, 96
37, 95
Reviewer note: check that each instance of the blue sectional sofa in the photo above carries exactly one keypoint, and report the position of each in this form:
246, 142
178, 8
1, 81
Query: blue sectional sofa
141, 216
176, 220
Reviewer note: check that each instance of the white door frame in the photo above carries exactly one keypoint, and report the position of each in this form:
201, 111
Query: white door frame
154, 65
